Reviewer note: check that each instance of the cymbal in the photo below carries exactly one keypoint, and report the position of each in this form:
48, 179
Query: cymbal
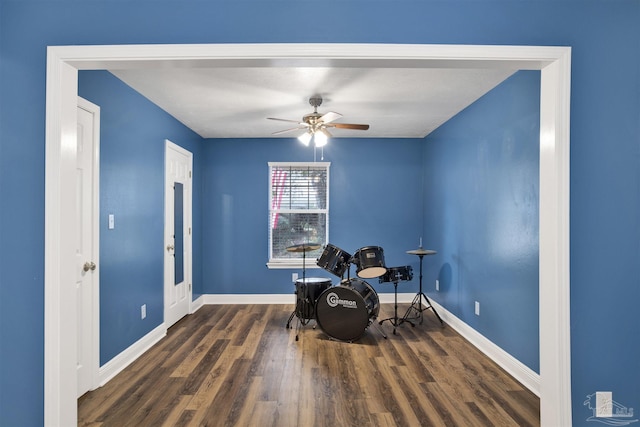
421, 251
304, 247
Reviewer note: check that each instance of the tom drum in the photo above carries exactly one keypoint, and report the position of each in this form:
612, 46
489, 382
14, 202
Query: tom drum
397, 274
334, 260
370, 262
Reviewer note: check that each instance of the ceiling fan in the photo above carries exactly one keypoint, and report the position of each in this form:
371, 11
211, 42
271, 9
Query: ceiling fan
315, 124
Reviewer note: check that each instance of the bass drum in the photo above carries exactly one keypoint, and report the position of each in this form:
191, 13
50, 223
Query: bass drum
343, 312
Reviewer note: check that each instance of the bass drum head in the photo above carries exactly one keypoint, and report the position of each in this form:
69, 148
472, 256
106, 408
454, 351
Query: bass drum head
341, 313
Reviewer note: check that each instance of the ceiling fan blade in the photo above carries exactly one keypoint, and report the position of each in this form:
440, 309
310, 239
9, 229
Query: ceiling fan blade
329, 117
284, 120
350, 126
289, 130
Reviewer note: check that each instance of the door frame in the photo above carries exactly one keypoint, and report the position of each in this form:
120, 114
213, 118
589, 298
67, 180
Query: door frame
554, 63
94, 363
188, 218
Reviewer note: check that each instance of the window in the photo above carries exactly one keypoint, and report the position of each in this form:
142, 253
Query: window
298, 211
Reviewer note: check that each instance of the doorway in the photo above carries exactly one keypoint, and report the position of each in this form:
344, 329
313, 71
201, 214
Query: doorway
177, 231
553, 62
87, 246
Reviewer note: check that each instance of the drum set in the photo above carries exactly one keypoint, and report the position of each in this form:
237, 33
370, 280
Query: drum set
344, 312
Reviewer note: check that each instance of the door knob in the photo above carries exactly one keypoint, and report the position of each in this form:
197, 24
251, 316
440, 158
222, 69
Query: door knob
89, 266
169, 248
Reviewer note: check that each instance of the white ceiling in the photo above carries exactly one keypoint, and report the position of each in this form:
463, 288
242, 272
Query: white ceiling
234, 102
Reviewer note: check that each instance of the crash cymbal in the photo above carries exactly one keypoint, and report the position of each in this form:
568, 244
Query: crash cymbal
421, 251
304, 247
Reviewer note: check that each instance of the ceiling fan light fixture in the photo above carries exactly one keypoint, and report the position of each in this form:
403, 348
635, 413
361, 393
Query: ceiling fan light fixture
316, 125
305, 138
320, 139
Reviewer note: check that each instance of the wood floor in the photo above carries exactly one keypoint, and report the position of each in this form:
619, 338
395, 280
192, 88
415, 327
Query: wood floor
237, 365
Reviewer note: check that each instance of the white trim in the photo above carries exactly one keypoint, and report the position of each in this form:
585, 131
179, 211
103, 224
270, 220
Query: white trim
301, 164
529, 378
297, 262
169, 145
223, 299
293, 263
554, 273
130, 354
197, 304
63, 62
60, 330
94, 366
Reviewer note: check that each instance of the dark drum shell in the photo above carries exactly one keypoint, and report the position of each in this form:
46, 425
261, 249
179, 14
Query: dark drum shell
307, 292
370, 262
344, 312
334, 260
397, 274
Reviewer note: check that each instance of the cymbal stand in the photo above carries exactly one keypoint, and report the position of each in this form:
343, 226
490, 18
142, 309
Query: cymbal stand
395, 321
373, 323
416, 304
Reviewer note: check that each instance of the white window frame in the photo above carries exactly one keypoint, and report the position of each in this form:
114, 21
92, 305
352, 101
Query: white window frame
308, 261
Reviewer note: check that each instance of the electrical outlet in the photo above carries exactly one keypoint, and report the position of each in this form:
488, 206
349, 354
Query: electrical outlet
437, 285
477, 308
604, 404
294, 277
143, 311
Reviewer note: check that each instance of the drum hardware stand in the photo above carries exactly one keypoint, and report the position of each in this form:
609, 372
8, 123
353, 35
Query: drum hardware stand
416, 304
379, 329
395, 321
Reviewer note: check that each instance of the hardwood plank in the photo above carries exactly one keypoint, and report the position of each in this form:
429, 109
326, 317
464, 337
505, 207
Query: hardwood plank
189, 352
203, 369
396, 402
175, 413
193, 351
212, 383
158, 403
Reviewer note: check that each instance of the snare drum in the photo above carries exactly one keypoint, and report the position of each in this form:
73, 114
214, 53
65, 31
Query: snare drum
343, 312
334, 260
397, 274
307, 292
370, 262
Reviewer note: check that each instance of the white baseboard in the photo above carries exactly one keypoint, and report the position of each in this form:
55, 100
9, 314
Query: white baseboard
527, 377
515, 368
211, 299
197, 303
128, 356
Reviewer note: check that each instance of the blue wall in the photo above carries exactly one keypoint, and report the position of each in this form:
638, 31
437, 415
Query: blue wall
605, 147
481, 214
374, 196
132, 152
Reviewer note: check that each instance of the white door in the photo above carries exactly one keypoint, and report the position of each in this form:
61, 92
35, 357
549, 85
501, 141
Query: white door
177, 260
87, 293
